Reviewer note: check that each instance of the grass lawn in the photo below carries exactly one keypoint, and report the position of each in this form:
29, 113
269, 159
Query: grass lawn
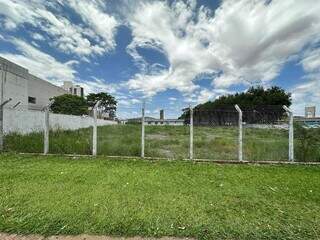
57, 195
219, 143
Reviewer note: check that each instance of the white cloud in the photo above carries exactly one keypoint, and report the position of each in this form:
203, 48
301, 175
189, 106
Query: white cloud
173, 99
41, 64
307, 93
244, 42
37, 36
95, 39
98, 85
253, 40
206, 95
93, 14
311, 60
169, 30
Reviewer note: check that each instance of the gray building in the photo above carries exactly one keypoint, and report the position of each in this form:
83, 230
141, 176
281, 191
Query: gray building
158, 121
26, 90
310, 112
73, 89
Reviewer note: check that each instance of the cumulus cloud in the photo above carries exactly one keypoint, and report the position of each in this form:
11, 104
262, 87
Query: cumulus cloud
170, 30
243, 42
96, 85
95, 38
94, 15
41, 64
307, 92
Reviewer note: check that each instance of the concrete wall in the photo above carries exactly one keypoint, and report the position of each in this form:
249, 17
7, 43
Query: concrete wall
27, 121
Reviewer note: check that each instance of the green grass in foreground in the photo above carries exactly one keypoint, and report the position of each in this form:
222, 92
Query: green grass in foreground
56, 195
219, 143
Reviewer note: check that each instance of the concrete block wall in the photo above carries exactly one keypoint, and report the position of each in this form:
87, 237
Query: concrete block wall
28, 121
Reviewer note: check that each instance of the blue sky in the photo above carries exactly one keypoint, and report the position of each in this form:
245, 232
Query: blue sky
170, 53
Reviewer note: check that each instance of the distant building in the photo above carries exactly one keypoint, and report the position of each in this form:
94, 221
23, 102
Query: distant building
73, 89
158, 122
310, 118
26, 90
161, 114
310, 112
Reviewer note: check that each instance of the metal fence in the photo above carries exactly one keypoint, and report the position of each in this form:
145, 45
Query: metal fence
228, 133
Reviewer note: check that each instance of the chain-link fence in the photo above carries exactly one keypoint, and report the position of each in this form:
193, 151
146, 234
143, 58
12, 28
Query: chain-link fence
263, 133
215, 133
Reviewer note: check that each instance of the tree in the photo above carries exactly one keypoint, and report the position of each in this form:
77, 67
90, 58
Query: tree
261, 106
108, 103
69, 104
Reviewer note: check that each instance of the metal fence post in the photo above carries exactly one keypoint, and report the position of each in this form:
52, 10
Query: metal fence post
142, 129
191, 133
291, 133
1, 122
94, 132
46, 128
46, 131
240, 147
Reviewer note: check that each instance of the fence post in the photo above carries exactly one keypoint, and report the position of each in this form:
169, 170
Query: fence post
1, 122
291, 133
142, 129
191, 133
240, 148
46, 128
94, 132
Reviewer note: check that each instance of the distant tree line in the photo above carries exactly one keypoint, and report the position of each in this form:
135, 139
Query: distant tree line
75, 105
259, 105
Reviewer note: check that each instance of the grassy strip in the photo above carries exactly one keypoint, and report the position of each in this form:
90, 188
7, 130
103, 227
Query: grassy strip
57, 195
218, 143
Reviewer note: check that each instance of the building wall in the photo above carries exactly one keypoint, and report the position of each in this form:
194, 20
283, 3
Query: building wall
13, 84
73, 89
27, 121
42, 91
165, 123
18, 84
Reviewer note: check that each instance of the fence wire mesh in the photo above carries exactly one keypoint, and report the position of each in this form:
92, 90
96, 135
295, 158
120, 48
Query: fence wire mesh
265, 134
165, 136
215, 133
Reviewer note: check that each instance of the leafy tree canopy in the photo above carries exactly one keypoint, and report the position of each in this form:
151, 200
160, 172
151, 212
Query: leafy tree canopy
252, 98
108, 102
69, 104
255, 96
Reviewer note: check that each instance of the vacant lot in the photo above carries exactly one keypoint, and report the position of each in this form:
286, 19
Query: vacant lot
57, 195
219, 143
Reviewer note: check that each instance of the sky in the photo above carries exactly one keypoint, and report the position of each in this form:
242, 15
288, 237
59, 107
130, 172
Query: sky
168, 53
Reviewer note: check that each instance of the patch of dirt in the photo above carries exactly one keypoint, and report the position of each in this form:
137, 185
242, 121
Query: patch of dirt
4, 236
156, 137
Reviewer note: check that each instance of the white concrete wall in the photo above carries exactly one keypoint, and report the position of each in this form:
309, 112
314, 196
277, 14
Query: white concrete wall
27, 121
13, 78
